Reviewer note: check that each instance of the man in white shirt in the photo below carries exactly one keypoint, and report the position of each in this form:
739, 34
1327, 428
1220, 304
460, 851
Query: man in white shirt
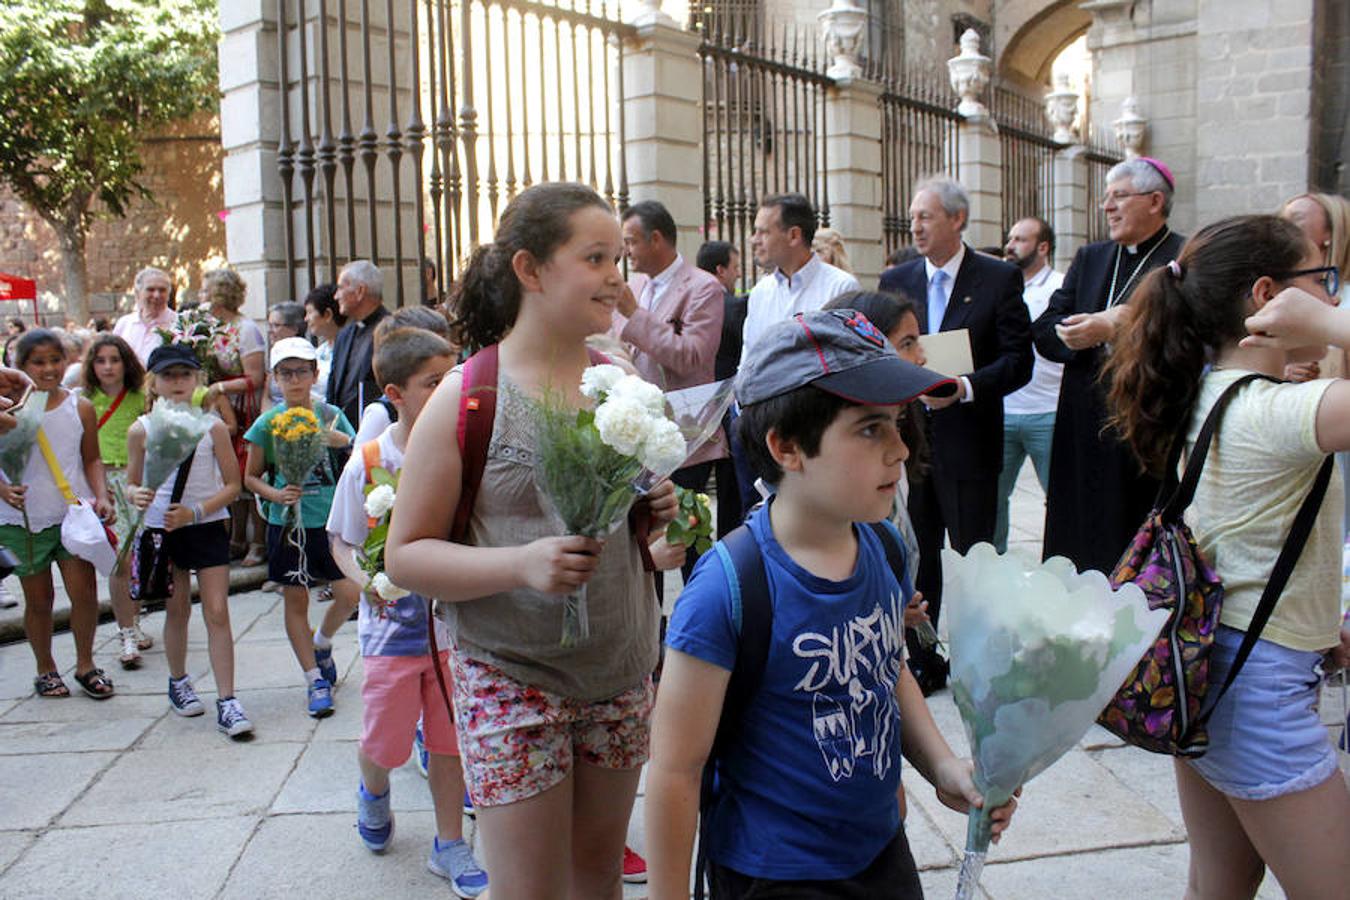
140, 327
1029, 412
798, 279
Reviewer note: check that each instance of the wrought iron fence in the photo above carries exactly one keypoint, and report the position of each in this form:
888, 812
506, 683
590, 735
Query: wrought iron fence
456, 145
1028, 152
919, 126
763, 120
1099, 159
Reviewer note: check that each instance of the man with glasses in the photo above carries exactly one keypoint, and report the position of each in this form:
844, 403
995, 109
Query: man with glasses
1098, 497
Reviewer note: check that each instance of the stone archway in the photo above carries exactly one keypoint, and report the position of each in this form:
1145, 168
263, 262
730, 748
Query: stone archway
1029, 34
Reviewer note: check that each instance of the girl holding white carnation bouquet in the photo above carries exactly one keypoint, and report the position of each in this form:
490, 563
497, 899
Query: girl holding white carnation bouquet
187, 522
1268, 791
552, 737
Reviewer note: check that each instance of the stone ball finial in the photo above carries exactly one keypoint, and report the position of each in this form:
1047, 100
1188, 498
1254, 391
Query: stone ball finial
1131, 127
1061, 108
969, 74
649, 12
843, 27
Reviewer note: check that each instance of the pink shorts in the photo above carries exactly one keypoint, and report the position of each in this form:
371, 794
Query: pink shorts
396, 690
519, 741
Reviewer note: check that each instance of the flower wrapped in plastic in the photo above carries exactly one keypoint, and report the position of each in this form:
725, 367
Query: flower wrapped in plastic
379, 504
1037, 650
298, 445
16, 446
210, 340
592, 464
172, 432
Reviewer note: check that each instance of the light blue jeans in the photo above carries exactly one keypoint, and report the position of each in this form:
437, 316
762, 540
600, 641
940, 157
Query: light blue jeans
1023, 436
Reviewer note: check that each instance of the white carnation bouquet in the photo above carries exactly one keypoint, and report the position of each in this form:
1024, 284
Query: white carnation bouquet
1037, 650
379, 505
594, 463
172, 432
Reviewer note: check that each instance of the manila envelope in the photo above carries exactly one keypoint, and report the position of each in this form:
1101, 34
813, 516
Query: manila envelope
948, 352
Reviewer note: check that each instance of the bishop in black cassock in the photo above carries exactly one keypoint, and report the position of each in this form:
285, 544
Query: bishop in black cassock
1098, 495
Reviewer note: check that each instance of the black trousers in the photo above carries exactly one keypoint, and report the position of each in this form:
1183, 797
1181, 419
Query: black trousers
962, 510
891, 876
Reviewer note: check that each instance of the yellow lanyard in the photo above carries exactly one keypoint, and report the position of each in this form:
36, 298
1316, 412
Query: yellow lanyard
57, 475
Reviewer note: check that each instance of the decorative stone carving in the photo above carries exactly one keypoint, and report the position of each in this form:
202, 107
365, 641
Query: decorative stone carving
843, 26
970, 76
1131, 128
649, 12
1061, 108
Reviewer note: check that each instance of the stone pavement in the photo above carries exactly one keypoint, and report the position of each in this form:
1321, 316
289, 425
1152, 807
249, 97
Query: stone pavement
124, 799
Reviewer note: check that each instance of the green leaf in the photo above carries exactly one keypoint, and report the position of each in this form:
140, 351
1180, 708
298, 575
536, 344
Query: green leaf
382, 476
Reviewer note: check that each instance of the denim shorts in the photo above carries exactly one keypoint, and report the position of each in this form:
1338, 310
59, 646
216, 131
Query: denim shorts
1266, 739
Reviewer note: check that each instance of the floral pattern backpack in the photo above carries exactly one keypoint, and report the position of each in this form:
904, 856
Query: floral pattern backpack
1164, 705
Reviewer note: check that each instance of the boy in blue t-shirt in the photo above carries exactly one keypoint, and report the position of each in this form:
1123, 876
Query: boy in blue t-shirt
300, 556
400, 679
806, 801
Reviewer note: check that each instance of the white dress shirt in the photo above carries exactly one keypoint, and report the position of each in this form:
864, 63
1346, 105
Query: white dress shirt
951, 267
776, 296
657, 284
1040, 394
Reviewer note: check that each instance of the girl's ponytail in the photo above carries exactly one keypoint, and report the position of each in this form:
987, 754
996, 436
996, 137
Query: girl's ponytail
1183, 314
537, 221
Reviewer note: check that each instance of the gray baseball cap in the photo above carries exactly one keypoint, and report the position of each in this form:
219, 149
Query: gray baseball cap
839, 351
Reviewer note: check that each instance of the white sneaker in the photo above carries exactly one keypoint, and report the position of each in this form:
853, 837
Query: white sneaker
7, 600
131, 654
143, 640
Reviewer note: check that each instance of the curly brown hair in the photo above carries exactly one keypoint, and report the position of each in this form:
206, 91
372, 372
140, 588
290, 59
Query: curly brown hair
133, 372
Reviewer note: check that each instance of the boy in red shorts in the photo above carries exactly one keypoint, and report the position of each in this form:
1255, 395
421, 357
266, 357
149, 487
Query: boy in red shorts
400, 683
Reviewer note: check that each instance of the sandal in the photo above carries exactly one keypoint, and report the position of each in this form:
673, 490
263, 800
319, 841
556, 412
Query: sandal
96, 684
256, 556
49, 684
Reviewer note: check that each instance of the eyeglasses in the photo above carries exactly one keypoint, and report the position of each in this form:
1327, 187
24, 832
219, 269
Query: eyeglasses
1117, 196
1330, 277
290, 374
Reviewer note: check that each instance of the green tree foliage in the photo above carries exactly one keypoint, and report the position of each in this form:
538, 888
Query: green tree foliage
82, 83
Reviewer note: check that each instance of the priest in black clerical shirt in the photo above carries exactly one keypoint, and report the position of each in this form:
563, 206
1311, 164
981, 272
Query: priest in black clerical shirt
1098, 496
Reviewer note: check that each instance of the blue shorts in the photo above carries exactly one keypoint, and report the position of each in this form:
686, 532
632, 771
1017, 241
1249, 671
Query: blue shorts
1266, 739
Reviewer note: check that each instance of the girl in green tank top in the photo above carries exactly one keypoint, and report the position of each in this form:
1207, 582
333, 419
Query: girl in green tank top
112, 380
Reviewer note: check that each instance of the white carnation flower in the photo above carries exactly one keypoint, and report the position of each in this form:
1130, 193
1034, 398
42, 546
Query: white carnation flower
599, 380
623, 424
380, 501
386, 589
648, 395
664, 448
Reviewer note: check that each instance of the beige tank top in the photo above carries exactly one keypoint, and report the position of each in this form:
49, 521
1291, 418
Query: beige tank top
519, 631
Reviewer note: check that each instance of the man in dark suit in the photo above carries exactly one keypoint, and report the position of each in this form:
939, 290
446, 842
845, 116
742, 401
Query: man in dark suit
351, 381
964, 290
721, 260
1098, 496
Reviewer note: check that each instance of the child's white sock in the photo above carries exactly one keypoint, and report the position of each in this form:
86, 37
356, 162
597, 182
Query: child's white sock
312, 675
321, 640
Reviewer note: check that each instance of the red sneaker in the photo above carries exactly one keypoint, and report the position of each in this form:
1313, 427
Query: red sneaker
634, 867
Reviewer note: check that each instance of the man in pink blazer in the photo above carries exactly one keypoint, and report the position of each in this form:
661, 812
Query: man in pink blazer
671, 319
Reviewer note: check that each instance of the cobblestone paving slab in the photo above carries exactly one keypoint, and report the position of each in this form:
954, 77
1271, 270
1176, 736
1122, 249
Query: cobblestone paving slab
164, 784
325, 780
12, 844
38, 787
71, 737
114, 862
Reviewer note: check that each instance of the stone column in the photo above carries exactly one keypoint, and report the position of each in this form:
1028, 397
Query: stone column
853, 172
249, 119
1070, 215
980, 166
663, 120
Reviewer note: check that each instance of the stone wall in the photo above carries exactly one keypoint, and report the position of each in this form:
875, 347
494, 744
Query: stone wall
177, 227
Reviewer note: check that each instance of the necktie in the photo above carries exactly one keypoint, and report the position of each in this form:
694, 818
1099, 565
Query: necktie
937, 301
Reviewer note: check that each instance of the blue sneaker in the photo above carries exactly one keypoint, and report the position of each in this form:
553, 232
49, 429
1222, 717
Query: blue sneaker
420, 750
320, 698
374, 819
454, 861
183, 699
327, 668
468, 806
